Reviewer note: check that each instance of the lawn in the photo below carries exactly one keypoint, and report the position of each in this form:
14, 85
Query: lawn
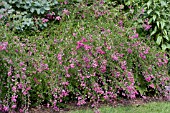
153, 107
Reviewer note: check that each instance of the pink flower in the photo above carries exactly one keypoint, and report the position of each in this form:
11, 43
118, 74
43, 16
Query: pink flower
64, 93
142, 11
87, 47
142, 56
56, 108
74, 34
6, 108
131, 79
120, 23
129, 51
24, 69
25, 93
21, 64
58, 18
20, 86
103, 68
59, 57
148, 79
152, 86
44, 20
9, 73
114, 57
66, 12
123, 65
28, 88
67, 75
117, 74
24, 77
21, 110
65, 83
81, 101
14, 89
14, 106
79, 45
146, 51
100, 51
147, 27
72, 65
84, 39
95, 63
13, 98
135, 36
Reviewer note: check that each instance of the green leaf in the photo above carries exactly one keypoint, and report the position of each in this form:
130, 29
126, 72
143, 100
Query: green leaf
38, 11
149, 3
163, 3
61, 0
166, 37
42, 11
162, 24
158, 13
168, 46
154, 31
149, 11
159, 39
164, 47
47, 8
165, 32
32, 9
157, 23
154, 17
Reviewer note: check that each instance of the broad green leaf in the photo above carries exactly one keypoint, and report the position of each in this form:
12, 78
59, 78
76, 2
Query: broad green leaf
162, 24
45, 24
42, 10
163, 3
79, 0
168, 46
157, 23
166, 37
149, 11
154, 31
149, 3
140, 20
38, 11
158, 40
154, 17
165, 32
158, 13
47, 8
32, 9
164, 47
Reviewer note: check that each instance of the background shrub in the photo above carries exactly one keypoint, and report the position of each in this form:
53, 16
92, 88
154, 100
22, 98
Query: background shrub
152, 14
28, 14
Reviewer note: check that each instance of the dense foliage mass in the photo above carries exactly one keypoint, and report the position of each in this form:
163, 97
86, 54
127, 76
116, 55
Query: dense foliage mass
97, 53
156, 14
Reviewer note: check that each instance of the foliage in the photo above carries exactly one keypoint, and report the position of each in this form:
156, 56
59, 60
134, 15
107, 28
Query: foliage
157, 12
26, 14
94, 55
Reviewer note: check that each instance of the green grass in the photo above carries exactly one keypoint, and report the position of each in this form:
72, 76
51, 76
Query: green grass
154, 107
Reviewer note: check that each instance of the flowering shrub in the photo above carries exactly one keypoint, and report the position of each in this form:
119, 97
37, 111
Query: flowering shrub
93, 56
